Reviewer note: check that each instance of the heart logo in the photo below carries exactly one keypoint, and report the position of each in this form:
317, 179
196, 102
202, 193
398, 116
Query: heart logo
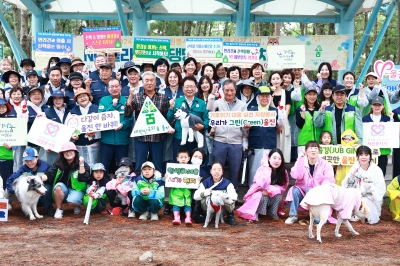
381, 67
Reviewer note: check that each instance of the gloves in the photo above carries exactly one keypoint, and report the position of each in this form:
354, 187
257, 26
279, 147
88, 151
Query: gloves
93, 195
93, 188
207, 192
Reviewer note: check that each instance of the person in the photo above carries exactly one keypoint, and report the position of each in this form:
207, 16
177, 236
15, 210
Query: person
325, 138
5, 65
114, 142
181, 197
221, 72
12, 79
18, 103
65, 66
355, 97
197, 158
339, 116
233, 73
309, 171
55, 78
119, 189
324, 76
161, 67
281, 99
148, 192
99, 60
87, 143
216, 182
261, 139
369, 177
173, 82
229, 141
77, 65
52, 62
348, 140
26, 65
32, 79
396, 151
96, 189
176, 66
247, 93
147, 67
75, 80
393, 192
326, 93
245, 73
33, 166
133, 82
150, 143
195, 106
111, 59
36, 106
265, 195
6, 154
304, 119
205, 88
99, 88
68, 176
377, 114
209, 71
257, 72
189, 67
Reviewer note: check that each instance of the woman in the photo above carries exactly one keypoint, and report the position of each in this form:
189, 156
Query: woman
266, 193
161, 67
247, 92
324, 76
173, 81
216, 182
6, 154
355, 97
189, 67
309, 171
210, 71
282, 101
245, 73
68, 177
204, 88
87, 144
65, 65
177, 67
11, 80
75, 82
5, 65
234, 74
77, 65
257, 72
369, 177
377, 114
221, 72
304, 119
36, 100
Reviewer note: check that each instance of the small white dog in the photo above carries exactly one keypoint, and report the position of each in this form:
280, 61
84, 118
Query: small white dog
28, 190
187, 124
346, 201
215, 203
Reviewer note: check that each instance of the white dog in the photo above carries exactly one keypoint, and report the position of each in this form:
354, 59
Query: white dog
28, 190
346, 201
215, 203
187, 123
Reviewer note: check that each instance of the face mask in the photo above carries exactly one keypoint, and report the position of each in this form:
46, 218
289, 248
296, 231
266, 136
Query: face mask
196, 161
51, 65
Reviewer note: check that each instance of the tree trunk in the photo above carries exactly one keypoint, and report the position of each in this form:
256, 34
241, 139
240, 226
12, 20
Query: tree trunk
226, 28
302, 29
165, 28
271, 28
198, 27
17, 22
331, 30
24, 33
188, 30
56, 25
211, 27
106, 23
317, 29
205, 28
183, 24
277, 29
91, 24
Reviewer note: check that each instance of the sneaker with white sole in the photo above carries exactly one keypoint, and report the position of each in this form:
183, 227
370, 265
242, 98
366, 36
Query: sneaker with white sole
131, 214
154, 217
291, 220
354, 219
77, 210
58, 214
144, 216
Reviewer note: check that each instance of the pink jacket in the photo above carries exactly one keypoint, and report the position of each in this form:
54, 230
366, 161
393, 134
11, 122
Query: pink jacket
262, 181
124, 188
323, 173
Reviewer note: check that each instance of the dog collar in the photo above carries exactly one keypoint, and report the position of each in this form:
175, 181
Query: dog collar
215, 207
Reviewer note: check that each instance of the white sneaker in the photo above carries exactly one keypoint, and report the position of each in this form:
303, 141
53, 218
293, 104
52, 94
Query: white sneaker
144, 216
131, 214
291, 220
154, 217
354, 219
257, 217
77, 210
58, 214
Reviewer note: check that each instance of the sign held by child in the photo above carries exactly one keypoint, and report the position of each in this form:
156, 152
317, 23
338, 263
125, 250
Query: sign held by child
182, 176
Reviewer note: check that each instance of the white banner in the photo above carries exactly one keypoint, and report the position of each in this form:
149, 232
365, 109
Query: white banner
93, 122
381, 135
13, 131
239, 119
286, 56
3, 210
182, 175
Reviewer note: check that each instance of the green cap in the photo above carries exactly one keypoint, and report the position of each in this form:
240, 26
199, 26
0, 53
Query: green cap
264, 90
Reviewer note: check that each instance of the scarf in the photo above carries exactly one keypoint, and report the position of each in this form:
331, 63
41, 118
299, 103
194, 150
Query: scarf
37, 109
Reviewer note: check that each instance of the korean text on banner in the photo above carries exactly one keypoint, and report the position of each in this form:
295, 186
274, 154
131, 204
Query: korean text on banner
286, 56
93, 122
150, 121
148, 50
4, 210
53, 44
103, 39
239, 119
342, 155
381, 135
205, 49
13, 131
182, 176
243, 54
49, 134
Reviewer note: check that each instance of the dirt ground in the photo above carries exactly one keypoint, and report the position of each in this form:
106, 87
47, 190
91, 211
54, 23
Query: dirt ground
117, 240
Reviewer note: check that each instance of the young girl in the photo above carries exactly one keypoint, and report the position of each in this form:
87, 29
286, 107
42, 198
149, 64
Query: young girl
325, 138
97, 191
348, 140
326, 93
266, 193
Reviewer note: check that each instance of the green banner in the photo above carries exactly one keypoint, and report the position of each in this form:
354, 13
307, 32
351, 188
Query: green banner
148, 50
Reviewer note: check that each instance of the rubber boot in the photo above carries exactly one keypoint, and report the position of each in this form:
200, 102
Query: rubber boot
177, 218
188, 220
231, 219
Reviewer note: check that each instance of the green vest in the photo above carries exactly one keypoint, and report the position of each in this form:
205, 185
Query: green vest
353, 101
75, 183
295, 104
349, 121
309, 131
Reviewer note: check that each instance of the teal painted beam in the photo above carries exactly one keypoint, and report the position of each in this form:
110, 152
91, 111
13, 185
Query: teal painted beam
32, 6
346, 27
228, 3
45, 3
364, 39
390, 13
243, 18
333, 3
186, 17
125, 3
137, 8
301, 19
259, 3
151, 3
352, 10
83, 15
122, 18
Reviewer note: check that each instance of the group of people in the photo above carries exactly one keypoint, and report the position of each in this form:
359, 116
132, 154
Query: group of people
308, 113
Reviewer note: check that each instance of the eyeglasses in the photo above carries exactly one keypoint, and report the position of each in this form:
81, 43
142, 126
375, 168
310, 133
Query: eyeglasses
190, 87
113, 87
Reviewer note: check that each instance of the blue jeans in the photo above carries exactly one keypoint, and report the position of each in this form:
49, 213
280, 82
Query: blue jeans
143, 148
297, 198
71, 195
234, 154
178, 209
109, 151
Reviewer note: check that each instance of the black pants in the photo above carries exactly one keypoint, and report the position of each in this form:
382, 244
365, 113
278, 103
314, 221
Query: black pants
6, 170
151, 205
382, 163
114, 200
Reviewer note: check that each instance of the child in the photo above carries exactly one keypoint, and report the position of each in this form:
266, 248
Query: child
118, 189
181, 197
393, 192
96, 191
326, 93
325, 138
348, 139
148, 192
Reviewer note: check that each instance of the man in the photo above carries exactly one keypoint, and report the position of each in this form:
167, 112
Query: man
99, 60
229, 141
32, 79
150, 143
65, 65
99, 88
132, 82
111, 58
114, 142
26, 65
54, 84
339, 116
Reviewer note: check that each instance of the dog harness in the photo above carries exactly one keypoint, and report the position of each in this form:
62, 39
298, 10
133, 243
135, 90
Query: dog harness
215, 207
